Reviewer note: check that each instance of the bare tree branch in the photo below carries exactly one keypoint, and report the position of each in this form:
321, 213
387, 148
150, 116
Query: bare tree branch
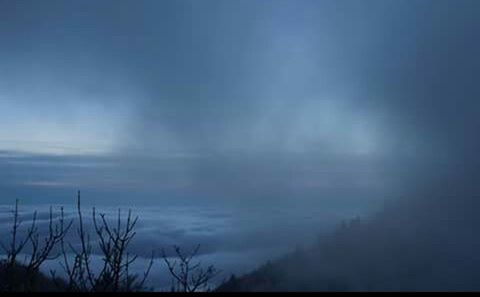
188, 276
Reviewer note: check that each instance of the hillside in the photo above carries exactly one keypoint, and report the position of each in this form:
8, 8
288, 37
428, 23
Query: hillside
428, 246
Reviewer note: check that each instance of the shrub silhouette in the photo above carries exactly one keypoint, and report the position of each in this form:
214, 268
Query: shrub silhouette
25, 255
26, 276
113, 242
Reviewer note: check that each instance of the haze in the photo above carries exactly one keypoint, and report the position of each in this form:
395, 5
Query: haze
335, 105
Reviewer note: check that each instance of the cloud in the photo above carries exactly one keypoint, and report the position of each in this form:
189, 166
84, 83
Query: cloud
234, 242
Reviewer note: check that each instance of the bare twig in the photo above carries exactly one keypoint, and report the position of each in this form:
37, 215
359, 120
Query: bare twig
188, 276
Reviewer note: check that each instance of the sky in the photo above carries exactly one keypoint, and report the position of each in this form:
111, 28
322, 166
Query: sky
328, 104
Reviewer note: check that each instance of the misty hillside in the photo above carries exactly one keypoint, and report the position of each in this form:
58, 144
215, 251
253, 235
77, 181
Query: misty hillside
429, 245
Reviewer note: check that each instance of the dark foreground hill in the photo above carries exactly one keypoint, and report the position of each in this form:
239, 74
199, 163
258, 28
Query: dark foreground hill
18, 279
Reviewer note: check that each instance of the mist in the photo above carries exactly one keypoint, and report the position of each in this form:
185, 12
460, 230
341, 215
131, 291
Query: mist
365, 108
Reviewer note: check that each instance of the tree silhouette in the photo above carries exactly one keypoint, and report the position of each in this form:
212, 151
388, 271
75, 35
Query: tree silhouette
186, 275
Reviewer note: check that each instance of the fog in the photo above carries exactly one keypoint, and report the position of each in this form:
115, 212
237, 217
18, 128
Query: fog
343, 106
223, 102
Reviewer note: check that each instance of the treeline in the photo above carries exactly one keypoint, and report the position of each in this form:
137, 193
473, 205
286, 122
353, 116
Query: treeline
423, 244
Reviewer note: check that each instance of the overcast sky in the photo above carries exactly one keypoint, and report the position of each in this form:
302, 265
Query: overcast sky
326, 103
